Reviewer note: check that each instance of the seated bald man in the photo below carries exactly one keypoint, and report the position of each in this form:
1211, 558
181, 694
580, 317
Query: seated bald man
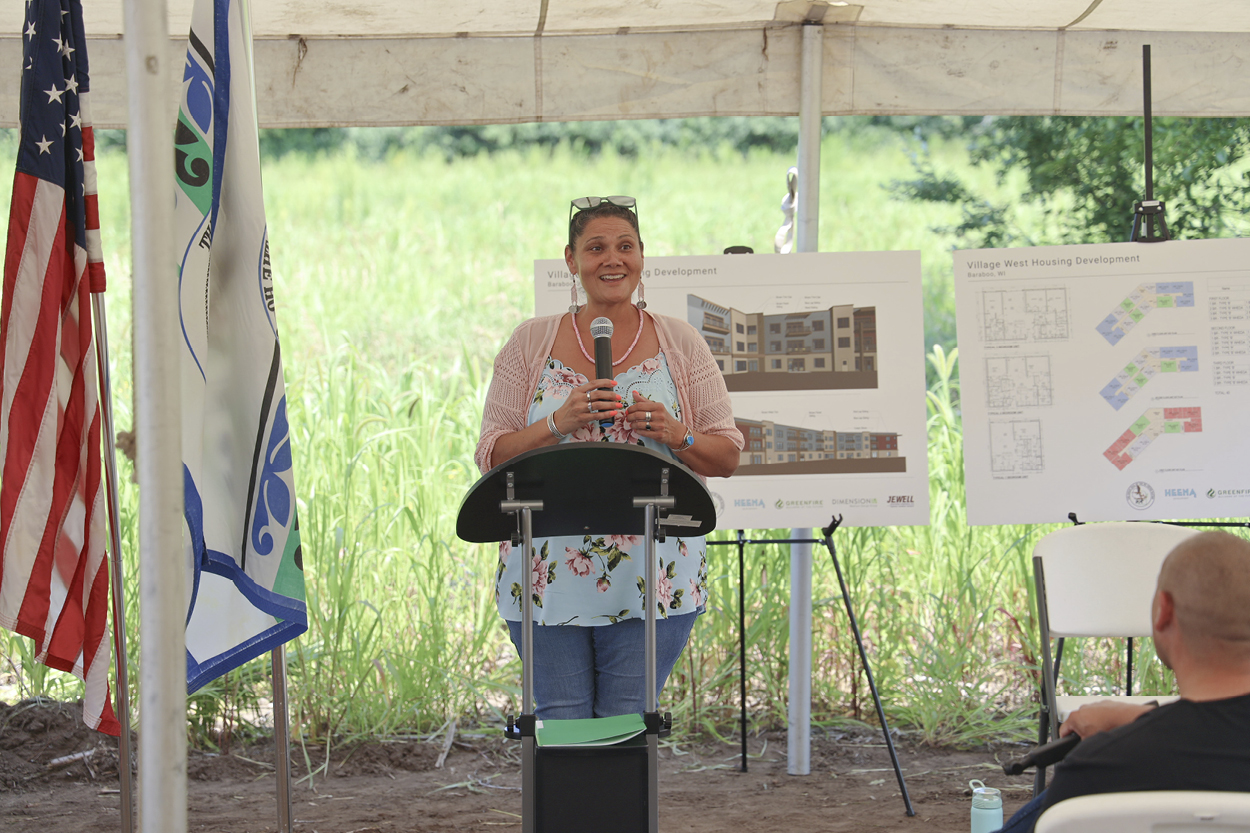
1201, 628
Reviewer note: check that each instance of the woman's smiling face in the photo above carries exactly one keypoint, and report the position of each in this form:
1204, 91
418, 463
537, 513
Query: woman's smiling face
607, 259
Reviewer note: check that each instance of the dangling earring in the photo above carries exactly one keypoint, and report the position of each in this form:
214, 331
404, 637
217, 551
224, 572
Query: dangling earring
573, 305
642, 296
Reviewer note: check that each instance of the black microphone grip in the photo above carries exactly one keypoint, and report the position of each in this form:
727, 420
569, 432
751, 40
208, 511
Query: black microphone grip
1044, 755
603, 367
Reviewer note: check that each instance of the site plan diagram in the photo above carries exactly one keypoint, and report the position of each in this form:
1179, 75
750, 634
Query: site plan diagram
823, 357
1109, 381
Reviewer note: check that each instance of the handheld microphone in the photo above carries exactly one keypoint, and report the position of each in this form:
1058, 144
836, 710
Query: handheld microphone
601, 331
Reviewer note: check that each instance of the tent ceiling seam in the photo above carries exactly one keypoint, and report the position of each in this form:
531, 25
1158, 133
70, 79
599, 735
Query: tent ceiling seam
1084, 14
1060, 44
542, 18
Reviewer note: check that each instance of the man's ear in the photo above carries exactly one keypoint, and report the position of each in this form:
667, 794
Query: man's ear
1163, 611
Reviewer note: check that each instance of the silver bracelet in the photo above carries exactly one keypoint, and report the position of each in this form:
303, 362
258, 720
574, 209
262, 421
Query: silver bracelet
551, 426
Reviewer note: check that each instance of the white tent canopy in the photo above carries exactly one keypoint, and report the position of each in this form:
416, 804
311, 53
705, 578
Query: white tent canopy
398, 62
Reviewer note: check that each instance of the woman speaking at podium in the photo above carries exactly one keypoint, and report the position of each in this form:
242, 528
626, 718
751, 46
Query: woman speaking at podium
668, 395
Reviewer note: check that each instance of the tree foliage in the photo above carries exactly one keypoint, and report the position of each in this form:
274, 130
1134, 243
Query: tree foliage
1082, 175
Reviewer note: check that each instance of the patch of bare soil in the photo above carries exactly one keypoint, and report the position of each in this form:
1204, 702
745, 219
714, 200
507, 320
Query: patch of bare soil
395, 786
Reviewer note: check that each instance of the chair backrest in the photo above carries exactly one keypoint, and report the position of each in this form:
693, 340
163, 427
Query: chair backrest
1100, 578
1149, 812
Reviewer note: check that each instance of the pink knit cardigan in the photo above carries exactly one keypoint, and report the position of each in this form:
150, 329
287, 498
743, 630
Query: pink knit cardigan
700, 387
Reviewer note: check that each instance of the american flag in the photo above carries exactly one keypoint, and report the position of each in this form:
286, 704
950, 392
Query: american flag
53, 573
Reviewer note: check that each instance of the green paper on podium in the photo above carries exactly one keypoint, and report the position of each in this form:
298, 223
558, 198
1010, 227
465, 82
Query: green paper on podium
593, 731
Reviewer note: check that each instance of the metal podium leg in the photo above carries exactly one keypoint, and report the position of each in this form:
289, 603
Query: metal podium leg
529, 819
649, 601
872, 684
527, 612
653, 739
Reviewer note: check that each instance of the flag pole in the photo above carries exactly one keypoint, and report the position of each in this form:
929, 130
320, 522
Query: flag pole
122, 706
282, 739
158, 422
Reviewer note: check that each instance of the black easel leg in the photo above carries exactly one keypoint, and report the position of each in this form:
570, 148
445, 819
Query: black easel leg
863, 656
742, 641
1043, 733
1128, 673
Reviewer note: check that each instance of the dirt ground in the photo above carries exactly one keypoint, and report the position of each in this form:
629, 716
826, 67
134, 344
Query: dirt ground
397, 786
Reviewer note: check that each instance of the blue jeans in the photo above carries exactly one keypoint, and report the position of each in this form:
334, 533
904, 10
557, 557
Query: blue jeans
600, 671
1022, 820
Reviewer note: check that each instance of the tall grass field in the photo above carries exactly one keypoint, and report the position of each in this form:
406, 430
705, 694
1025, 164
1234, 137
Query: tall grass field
397, 280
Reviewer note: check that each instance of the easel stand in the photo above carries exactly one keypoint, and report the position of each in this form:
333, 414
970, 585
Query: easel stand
1149, 211
827, 540
560, 491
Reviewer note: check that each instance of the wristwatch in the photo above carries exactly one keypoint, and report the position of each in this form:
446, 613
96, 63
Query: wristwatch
686, 442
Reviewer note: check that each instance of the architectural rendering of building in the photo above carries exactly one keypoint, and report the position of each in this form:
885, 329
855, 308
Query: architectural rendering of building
840, 339
768, 443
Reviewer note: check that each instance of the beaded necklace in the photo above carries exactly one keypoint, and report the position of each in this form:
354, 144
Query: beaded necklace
590, 358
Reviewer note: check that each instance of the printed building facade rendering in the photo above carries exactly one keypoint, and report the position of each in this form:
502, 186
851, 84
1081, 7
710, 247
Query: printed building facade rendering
780, 449
834, 348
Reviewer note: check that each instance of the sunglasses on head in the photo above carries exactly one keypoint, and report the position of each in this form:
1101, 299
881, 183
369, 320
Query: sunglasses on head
587, 203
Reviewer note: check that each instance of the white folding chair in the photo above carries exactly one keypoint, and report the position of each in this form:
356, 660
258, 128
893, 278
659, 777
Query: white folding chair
1095, 580
1149, 812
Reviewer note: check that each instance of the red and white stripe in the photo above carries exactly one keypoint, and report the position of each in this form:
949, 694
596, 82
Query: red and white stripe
53, 572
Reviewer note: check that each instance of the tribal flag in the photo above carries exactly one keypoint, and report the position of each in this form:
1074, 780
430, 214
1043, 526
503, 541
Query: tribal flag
246, 587
54, 583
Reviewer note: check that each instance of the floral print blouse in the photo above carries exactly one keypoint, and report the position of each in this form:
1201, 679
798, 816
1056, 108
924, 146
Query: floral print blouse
600, 579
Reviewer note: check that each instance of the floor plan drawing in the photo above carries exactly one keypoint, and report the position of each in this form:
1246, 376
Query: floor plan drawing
1015, 446
1148, 363
1014, 315
1139, 303
1154, 423
1018, 381
1157, 342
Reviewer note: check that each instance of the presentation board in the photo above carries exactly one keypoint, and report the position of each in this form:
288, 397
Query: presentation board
823, 355
1107, 380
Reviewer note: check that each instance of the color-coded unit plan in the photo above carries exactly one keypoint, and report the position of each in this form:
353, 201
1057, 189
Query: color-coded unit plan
1139, 303
1150, 425
1145, 366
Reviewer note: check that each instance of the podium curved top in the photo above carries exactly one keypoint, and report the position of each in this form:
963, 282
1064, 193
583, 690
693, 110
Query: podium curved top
586, 488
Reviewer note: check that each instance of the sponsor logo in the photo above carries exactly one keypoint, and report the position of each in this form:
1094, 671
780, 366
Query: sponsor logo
901, 501
1140, 495
1180, 494
799, 504
719, 502
1219, 493
748, 503
853, 501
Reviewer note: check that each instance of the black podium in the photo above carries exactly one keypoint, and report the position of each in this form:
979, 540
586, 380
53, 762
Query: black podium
574, 489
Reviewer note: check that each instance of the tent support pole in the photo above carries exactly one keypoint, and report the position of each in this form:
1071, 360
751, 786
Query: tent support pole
798, 730
810, 116
125, 755
798, 725
158, 423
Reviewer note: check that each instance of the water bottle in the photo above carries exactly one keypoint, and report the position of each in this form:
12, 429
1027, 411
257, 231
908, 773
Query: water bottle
987, 808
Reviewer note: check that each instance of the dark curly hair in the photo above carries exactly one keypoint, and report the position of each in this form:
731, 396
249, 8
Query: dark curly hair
577, 224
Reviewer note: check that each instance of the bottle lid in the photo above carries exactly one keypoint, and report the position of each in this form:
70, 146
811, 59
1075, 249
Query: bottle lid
985, 798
